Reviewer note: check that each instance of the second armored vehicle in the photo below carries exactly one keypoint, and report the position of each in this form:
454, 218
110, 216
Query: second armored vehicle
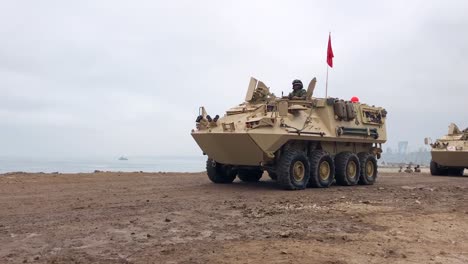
450, 152
299, 142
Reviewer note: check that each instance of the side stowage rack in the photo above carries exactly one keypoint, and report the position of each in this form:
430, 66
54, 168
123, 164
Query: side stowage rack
344, 110
339, 106
351, 113
371, 132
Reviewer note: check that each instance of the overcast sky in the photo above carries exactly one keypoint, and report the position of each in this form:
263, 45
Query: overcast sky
110, 78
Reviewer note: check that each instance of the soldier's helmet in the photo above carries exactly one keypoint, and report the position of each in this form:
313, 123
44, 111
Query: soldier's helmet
297, 84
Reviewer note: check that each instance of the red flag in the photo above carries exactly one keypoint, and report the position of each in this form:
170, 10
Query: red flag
330, 53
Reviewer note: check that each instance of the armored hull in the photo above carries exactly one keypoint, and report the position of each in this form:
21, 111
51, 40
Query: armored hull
450, 153
262, 132
454, 158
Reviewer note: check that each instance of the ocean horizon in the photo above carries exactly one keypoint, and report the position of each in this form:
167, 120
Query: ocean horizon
87, 165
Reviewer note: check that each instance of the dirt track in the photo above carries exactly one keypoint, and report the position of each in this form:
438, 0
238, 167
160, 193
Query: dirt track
183, 218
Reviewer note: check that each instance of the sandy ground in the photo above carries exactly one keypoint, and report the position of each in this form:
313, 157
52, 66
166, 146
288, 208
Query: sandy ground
184, 218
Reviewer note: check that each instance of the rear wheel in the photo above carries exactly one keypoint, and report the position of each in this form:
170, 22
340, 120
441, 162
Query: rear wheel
347, 169
368, 164
293, 170
220, 173
322, 169
250, 175
436, 170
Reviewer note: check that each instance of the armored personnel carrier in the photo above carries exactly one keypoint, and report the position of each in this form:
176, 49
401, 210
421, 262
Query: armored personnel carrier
310, 142
450, 152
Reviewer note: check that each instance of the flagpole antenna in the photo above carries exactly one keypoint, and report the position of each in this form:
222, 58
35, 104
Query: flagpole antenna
326, 85
329, 61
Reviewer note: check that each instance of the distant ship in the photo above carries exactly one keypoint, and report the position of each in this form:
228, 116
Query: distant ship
123, 158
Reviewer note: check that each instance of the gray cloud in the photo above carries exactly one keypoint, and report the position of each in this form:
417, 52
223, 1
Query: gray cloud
110, 77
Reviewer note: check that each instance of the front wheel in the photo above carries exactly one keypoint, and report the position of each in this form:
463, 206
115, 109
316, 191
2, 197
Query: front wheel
219, 173
272, 175
456, 171
293, 170
436, 170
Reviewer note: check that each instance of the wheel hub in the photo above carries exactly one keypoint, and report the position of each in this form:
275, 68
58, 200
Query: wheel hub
324, 170
298, 171
351, 169
370, 168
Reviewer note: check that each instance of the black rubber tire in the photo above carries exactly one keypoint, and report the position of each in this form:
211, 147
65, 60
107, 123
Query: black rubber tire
220, 173
456, 171
436, 170
364, 178
285, 168
317, 158
252, 175
273, 175
342, 161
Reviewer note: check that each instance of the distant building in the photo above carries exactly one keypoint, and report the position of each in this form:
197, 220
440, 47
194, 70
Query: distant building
402, 147
389, 151
421, 157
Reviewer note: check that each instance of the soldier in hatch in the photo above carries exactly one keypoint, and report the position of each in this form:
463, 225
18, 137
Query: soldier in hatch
298, 93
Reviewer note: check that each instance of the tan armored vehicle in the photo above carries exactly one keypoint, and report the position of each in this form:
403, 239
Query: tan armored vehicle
308, 142
450, 152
